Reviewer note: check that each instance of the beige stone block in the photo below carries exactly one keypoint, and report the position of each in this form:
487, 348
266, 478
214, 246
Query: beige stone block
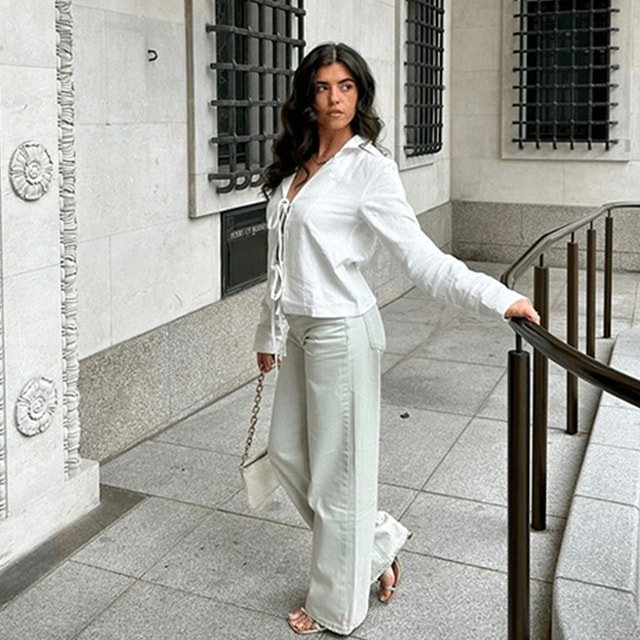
475, 136
28, 107
477, 48
166, 80
32, 348
475, 93
444, 180
30, 233
161, 273
498, 181
129, 177
28, 112
167, 10
94, 296
384, 70
90, 66
634, 125
333, 20
127, 62
479, 13
634, 27
27, 33
60, 505
32, 324
421, 186
595, 183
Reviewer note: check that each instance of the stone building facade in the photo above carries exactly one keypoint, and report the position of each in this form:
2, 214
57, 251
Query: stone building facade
109, 103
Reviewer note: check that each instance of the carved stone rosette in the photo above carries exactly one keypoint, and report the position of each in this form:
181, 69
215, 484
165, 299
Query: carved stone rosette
30, 170
69, 236
35, 406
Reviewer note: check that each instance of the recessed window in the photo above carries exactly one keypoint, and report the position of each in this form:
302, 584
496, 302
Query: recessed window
424, 77
258, 45
565, 55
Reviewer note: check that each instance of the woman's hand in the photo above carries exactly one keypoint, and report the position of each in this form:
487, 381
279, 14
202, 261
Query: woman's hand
266, 361
523, 309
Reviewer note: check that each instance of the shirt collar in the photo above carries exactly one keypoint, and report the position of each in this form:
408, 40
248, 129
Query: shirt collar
355, 142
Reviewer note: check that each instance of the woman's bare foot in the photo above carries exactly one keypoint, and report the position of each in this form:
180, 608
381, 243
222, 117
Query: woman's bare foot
300, 622
389, 582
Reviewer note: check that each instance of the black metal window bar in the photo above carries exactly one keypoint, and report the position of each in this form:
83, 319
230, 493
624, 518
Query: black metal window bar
425, 71
564, 62
258, 44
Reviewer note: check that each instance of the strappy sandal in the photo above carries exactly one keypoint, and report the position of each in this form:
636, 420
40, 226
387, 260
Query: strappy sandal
316, 628
395, 567
392, 588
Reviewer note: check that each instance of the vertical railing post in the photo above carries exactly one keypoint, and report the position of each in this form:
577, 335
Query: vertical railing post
591, 291
540, 404
572, 332
518, 493
608, 273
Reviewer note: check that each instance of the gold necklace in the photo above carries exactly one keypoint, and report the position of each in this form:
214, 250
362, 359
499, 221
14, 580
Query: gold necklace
314, 157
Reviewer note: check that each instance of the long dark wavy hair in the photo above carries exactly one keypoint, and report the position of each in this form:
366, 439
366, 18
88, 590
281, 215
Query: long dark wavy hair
298, 139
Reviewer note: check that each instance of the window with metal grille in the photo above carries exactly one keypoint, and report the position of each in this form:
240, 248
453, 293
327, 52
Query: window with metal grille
425, 70
258, 45
564, 52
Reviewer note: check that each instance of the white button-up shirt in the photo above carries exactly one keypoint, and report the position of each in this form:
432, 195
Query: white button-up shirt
319, 241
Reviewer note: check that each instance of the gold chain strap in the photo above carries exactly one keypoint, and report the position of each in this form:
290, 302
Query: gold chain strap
253, 422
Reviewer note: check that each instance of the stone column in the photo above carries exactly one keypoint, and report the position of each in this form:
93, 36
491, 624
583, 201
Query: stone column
44, 484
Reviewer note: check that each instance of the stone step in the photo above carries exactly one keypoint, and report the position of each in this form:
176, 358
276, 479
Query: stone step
596, 584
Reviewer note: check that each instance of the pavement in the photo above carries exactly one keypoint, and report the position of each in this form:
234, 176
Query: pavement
173, 552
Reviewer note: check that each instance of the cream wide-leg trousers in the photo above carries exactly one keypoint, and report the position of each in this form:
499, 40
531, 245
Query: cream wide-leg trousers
323, 445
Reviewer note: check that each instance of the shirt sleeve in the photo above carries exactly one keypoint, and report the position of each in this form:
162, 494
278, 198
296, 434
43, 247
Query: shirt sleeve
271, 330
386, 211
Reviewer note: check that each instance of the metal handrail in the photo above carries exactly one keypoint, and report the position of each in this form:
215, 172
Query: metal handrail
607, 378
528, 258
523, 468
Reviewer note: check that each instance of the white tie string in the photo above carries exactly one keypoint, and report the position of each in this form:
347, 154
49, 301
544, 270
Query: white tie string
276, 222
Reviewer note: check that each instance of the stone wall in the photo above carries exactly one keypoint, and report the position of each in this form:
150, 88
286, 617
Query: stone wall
44, 484
143, 385
505, 197
156, 339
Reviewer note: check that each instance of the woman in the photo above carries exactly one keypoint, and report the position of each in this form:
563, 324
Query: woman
332, 194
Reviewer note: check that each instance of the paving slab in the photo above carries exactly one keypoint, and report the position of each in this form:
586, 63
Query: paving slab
196, 476
612, 565
591, 612
138, 540
413, 443
449, 387
153, 612
472, 533
485, 343
439, 599
222, 427
619, 426
404, 337
239, 560
192, 561
611, 473
62, 604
